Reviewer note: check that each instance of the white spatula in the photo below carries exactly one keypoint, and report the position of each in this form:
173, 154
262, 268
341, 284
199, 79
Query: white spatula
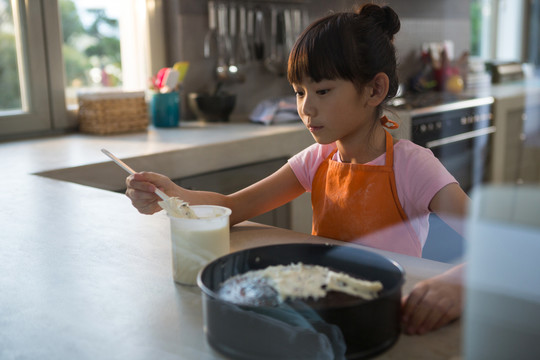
172, 205
124, 166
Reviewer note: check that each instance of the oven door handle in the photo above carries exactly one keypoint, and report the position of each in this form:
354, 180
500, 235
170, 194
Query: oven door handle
460, 137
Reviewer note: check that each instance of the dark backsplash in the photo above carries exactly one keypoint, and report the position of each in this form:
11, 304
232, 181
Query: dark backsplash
422, 21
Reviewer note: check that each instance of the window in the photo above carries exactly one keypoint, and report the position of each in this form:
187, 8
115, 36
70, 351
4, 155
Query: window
52, 49
499, 29
533, 43
23, 105
10, 60
103, 45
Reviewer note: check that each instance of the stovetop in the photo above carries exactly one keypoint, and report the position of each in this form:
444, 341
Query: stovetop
437, 102
411, 101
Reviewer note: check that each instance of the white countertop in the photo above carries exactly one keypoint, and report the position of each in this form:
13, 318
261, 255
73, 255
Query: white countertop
83, 275
193, 148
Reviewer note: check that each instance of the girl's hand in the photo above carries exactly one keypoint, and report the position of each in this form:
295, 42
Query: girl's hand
433, 303
141, 187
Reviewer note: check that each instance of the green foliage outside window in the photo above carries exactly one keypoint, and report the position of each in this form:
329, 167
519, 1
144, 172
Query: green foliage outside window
10, 96
10, 93
476, 27
91, 54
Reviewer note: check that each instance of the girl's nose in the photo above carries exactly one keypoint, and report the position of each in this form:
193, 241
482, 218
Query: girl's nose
307, 107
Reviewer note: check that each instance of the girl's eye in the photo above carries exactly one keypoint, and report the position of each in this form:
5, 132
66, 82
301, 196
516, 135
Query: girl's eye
299, 93
323, 91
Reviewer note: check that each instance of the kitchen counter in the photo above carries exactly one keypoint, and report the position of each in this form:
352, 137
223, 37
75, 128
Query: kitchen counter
84, 275
96, 283
193, 148
525, 87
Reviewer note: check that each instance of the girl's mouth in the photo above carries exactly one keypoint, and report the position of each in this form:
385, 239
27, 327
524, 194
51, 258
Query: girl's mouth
314, 128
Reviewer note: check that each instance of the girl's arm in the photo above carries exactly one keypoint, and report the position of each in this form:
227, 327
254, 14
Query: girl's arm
451, 204
265, 195
435, 302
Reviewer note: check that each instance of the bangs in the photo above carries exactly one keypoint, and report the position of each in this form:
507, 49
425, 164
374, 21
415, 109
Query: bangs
319, 53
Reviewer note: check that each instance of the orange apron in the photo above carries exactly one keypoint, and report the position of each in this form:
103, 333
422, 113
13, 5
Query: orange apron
359, 203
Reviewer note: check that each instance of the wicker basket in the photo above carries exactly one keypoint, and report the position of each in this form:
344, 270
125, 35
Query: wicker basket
111, 113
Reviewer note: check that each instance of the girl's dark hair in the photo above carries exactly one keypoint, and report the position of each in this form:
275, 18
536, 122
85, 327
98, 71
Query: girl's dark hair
352, 46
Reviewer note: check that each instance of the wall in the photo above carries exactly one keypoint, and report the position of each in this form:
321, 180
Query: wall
422, 21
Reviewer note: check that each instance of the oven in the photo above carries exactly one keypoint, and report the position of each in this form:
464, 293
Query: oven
460, 135
459, 132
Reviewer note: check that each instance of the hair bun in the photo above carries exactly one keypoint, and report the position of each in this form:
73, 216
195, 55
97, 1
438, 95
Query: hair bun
384, 17
392, 23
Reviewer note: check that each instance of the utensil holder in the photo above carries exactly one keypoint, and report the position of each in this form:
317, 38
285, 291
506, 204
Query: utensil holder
165, 109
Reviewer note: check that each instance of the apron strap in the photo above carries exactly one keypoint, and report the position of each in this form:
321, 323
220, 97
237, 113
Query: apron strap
389, 160
389, 124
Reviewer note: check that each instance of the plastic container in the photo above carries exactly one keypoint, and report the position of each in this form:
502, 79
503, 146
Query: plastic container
195, 242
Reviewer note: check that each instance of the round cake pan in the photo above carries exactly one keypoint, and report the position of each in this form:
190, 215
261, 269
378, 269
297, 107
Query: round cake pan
303, 329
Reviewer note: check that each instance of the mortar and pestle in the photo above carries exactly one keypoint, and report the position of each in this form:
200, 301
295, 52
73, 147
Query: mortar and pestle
212, 107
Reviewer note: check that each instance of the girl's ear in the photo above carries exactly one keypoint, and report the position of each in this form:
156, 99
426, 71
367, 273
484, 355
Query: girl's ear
378, 89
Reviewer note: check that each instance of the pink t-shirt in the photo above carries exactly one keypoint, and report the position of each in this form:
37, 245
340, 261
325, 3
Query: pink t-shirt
419, 176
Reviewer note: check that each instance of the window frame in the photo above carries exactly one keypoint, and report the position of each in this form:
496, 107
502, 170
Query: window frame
37, 117
506, 23
47, 112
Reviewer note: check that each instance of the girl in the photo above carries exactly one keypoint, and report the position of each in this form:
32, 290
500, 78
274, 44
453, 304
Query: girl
366, 187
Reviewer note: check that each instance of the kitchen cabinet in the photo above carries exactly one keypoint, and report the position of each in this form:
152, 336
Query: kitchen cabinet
516, 152
231, 180
295, 215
